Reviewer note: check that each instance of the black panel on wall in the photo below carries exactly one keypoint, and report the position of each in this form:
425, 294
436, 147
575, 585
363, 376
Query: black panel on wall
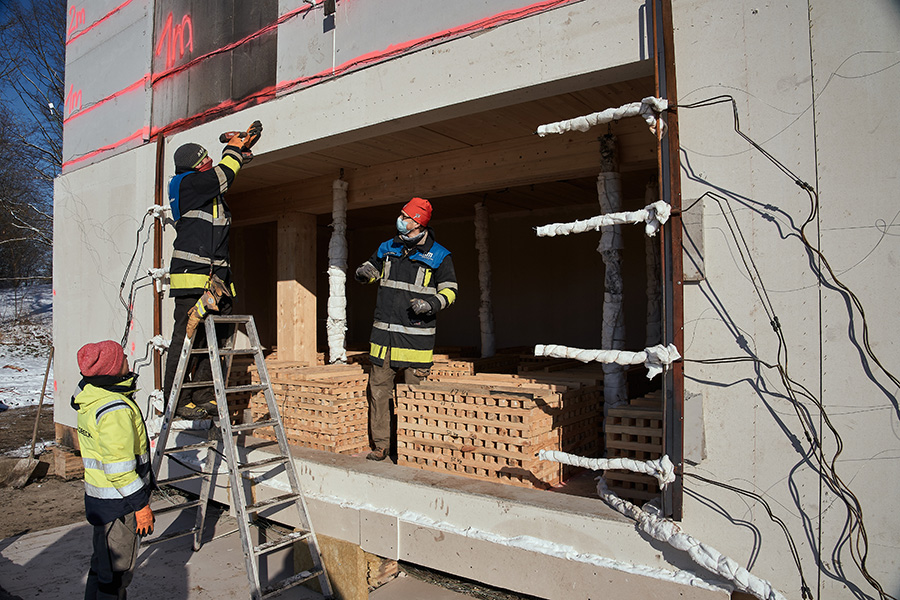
186, 31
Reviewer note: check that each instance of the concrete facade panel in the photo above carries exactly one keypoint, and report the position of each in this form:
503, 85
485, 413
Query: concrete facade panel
97, 212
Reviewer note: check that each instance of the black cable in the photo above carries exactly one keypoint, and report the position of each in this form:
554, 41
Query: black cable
804, 587
129, 304
858, 549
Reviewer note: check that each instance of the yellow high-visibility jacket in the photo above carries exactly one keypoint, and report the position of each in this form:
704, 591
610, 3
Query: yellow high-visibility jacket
114, 448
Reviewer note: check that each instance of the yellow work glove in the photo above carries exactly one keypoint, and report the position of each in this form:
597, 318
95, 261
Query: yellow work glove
145, 521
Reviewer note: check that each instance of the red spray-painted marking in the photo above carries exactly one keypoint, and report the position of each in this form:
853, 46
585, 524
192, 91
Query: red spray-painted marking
142, 132
133, 347
95, 24
172, 35
76, 20
73, 101
269, 93
55, 386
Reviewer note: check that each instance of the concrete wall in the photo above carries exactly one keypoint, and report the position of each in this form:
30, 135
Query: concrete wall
807, 82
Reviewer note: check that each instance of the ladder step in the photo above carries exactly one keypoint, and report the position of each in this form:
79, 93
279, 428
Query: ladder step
230, 318
254, 425
280, 586
228, 351
257, 387
196, 384
283, 499
174, 507
262, 463
179, 479
167, 537
197, 446
282, 542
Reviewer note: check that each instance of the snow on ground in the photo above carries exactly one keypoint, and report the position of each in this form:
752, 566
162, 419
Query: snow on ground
26, 335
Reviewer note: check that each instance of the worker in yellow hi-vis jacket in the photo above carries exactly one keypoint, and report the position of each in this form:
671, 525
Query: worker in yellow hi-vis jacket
416, 281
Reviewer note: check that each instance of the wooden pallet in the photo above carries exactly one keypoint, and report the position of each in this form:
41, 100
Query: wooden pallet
634, 431
322, 407
492, 427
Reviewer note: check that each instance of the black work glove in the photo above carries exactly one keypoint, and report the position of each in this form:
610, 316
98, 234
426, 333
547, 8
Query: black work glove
366, 272
421, 307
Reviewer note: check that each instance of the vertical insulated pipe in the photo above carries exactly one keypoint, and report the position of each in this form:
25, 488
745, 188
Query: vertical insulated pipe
609, 192
485, 310
654, 277
158, 225
336, 324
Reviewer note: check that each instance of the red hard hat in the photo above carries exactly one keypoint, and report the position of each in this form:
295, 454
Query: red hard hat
419, 210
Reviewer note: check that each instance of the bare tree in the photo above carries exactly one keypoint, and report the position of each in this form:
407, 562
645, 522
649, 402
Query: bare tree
32, 64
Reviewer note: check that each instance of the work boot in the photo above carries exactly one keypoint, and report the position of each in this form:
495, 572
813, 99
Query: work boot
377, 454
191, 412
211, 408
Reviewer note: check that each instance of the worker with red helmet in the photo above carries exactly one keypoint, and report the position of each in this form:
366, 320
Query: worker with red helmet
416, 281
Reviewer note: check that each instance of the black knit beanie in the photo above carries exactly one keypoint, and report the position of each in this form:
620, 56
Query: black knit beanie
188, 157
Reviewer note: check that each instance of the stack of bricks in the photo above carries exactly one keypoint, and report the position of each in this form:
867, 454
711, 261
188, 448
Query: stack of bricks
322, 407
493, 426
635, 431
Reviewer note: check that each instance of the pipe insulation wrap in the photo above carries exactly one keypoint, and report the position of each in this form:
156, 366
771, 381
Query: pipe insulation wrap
661, 468
654, 358
668, 531
649, 109
653, 215
485, 309
336, 323
609, 194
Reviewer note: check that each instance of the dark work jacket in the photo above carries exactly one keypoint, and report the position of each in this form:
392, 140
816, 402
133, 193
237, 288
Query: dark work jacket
421, 271
202, 225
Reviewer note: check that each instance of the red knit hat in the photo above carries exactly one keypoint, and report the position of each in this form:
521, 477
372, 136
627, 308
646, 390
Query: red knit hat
101, 358
419, 210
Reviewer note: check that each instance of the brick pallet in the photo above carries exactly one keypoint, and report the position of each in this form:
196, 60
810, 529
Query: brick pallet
492, 427
322, 407
634, 431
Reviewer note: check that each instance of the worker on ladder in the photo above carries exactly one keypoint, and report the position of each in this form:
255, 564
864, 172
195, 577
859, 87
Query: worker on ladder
200, 271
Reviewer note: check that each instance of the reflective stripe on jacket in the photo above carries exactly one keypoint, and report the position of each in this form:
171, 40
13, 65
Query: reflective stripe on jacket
114, 449
202, 226
424, 271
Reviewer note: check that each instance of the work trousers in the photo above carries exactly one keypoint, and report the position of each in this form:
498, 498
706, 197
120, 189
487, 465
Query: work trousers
382, 400
112, 564
199, 367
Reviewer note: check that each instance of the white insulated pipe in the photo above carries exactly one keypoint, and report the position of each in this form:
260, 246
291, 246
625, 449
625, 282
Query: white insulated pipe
336, 323
649, 109
654, 358
485, 310
653, 215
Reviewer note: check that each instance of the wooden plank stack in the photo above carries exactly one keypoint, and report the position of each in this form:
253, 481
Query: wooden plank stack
635, 431
322, 407
493, 426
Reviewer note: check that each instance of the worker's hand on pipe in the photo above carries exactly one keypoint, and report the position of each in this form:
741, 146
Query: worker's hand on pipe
145, 521
366, 272
420, 307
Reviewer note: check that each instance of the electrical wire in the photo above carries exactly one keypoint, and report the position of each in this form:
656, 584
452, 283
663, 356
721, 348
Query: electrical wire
804, 587
828, 472
129, 304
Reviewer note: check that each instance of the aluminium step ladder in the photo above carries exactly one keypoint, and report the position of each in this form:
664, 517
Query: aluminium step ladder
247, 513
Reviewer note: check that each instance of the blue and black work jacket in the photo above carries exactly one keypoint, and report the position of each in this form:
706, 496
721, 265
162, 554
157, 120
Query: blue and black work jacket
202, 224
424, 270
114, 448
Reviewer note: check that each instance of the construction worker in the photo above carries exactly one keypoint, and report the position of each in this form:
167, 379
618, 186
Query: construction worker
117, 477
200, 257
416, 281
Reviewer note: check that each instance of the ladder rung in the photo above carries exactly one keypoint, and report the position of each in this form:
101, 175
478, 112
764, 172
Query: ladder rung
254, 425
167, 537
196, 384
287, 540
230, 318
197, 446
262, 463
257, 387
228, 351
272, 502
280, 586
179, 479
174, 507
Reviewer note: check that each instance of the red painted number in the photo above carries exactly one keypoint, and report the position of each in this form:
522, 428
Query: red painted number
177, 40
76, 20
73, 101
